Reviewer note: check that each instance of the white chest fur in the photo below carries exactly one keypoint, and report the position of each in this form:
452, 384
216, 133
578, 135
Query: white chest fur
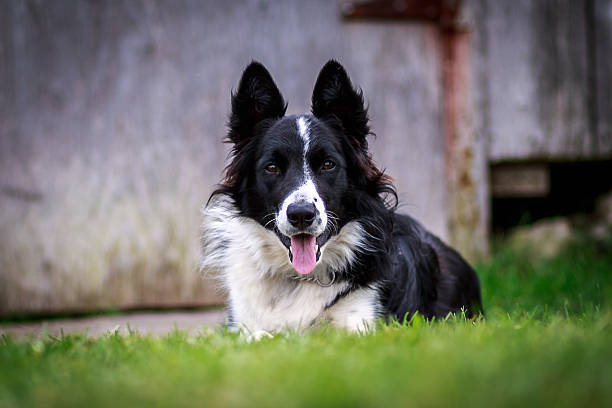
253, 266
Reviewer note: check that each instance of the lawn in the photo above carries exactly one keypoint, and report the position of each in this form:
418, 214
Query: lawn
546, 340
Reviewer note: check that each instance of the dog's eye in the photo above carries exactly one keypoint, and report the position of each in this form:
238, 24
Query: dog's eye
272, 168
328, 165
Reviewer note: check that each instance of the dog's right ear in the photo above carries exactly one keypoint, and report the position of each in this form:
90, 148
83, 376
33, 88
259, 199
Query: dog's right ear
256, 99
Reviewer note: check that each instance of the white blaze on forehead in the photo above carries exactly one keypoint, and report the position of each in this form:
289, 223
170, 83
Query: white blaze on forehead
304, 193
304, 133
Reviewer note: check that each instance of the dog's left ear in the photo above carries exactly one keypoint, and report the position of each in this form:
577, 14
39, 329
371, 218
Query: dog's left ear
334, 96
256, 99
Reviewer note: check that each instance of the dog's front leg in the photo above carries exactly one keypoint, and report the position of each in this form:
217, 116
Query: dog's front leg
356, 312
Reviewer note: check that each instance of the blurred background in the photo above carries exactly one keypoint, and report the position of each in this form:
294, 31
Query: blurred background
489, 115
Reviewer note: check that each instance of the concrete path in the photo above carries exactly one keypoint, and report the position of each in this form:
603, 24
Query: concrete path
154, 323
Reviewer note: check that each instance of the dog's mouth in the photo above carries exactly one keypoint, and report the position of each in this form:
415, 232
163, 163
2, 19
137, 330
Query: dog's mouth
304, 251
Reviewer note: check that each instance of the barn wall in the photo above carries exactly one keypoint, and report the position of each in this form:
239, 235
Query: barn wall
547, 67
112, 115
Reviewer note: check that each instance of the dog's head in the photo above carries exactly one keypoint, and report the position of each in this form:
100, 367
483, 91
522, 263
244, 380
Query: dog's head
301, 176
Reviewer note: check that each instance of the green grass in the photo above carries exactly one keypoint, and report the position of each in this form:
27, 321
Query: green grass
546, 341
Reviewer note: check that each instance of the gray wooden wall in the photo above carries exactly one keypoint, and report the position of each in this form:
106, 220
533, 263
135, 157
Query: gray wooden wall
112, 115
112, 120
545, 78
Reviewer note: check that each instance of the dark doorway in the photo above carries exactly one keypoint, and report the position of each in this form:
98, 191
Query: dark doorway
571, 188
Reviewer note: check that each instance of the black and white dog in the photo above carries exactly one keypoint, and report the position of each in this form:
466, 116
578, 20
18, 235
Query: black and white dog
303, 228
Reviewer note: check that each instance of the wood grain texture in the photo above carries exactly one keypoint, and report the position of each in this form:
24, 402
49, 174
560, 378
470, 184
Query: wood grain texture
602, 14
113, 115
464, 164
538, 86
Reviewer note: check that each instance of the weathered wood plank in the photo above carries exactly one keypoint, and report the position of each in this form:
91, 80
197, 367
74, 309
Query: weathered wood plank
520, 180
602, 12
538, 84
464, 165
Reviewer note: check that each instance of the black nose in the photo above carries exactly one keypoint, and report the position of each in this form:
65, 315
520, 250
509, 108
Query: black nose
301, 215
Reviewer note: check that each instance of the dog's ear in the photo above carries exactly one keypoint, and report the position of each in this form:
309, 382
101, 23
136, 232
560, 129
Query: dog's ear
256, 99
334, 96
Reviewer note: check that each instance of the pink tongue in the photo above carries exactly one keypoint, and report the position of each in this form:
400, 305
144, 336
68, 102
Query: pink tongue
304, 253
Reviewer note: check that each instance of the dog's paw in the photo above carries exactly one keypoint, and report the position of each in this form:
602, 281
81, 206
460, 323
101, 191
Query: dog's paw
258, 335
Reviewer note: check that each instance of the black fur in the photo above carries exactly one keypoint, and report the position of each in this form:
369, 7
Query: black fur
414, 270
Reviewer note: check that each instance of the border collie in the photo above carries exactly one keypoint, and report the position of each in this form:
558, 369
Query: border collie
303, 228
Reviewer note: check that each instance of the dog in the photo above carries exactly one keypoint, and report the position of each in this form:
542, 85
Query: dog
303, 228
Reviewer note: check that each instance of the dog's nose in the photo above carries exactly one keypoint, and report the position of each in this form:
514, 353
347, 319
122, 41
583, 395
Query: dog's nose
301, 215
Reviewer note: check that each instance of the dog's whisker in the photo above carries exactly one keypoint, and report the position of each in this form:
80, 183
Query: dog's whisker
332, 214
